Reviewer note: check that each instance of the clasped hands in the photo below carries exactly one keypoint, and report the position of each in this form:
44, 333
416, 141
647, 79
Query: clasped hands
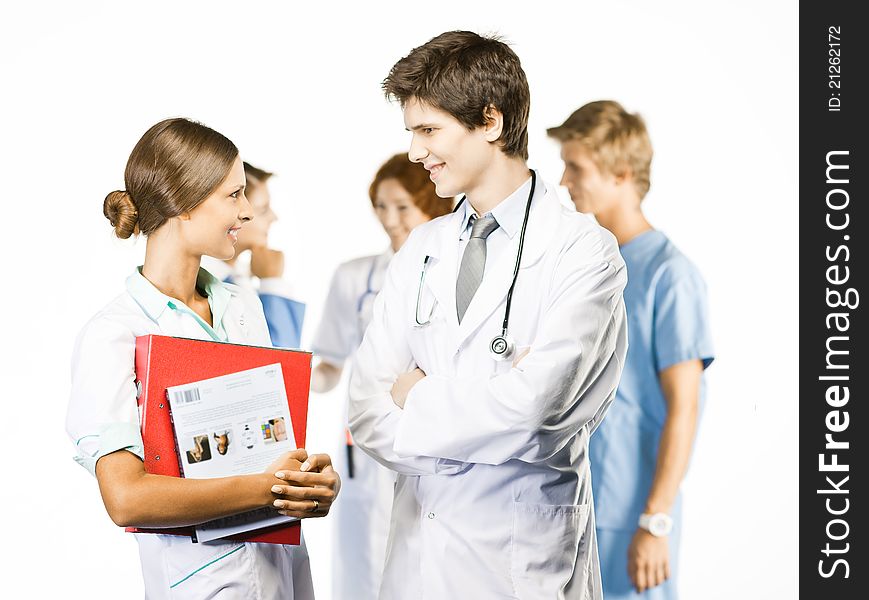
312, 486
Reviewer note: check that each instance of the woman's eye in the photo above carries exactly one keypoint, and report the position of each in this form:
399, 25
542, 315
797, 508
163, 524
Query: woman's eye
428, 130
235, 193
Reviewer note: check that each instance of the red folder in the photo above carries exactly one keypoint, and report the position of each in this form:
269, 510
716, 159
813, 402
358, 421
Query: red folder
162, 362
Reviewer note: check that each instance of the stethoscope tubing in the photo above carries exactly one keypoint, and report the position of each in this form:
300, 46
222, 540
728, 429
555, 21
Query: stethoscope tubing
505, 324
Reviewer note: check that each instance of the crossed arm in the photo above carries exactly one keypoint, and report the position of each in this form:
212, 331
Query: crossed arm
562, 385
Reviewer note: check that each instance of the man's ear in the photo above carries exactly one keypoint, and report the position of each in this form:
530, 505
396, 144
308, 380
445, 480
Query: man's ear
494, 123
624, 176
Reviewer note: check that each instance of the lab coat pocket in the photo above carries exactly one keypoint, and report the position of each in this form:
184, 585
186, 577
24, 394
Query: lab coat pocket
199, 570
544, 547
427, 344
503, 367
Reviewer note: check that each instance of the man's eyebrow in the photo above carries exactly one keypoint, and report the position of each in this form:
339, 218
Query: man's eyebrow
420, 126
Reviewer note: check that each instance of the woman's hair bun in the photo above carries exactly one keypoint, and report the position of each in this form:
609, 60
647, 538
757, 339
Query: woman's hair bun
119, 209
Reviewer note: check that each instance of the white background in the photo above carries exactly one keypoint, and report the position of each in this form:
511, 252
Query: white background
296, 86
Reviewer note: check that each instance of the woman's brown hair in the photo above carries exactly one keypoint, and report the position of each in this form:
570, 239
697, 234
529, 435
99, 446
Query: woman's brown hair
176, 165
414, 178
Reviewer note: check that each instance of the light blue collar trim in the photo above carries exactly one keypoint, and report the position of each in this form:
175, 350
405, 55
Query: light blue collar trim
154, 302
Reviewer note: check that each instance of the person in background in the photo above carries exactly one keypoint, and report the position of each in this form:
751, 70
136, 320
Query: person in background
640, 453
402, 197
264, 272
184, 191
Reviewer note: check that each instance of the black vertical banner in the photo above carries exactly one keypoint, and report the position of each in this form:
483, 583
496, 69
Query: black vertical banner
833, 370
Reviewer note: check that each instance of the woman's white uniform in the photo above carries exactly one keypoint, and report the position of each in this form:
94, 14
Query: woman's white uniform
493, 497
362, 519
103, 418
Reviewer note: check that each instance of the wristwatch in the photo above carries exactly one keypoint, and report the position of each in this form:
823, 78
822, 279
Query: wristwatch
658, 524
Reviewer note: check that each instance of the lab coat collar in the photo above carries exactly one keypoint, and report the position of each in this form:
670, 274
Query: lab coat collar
492, 292
154, 302
221, 269
386, 255
508, 213
442, 246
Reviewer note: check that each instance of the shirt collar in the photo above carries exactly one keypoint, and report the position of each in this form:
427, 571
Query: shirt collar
219, 268
154, 302
509, 213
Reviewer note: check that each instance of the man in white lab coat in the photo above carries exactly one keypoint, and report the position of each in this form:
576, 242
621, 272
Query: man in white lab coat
493, 496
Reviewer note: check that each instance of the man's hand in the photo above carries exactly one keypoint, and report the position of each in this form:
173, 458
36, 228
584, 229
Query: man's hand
520, 355
648, 560
402, 386
265, 262
311, 491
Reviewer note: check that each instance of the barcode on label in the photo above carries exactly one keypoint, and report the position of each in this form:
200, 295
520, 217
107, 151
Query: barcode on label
187, 396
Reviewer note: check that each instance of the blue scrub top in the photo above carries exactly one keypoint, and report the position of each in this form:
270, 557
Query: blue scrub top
284, 317
668, 323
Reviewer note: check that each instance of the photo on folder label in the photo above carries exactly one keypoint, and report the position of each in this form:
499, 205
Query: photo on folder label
223, 441
199, 450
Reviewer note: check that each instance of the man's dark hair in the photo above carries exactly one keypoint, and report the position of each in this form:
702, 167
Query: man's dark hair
464, 74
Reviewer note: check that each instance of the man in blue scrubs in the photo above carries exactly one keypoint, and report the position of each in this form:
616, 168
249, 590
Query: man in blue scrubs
640, 452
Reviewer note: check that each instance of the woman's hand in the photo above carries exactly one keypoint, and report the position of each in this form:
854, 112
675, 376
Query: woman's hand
288, 461
312, 488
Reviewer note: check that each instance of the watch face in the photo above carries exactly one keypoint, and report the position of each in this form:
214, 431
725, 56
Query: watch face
660, 524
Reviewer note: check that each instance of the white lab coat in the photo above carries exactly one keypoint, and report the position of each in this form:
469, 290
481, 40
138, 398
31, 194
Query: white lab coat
493, 497
362, 515
103, 417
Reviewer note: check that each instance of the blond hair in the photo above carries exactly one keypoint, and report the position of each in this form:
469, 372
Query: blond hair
616, 139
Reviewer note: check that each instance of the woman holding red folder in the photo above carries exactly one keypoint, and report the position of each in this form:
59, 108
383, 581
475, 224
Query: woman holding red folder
185, 192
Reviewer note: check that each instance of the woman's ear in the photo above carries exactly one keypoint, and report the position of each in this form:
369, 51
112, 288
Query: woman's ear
494, 123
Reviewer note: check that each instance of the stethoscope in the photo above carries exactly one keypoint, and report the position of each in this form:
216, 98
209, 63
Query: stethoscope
503, 346
368, 289
363, 304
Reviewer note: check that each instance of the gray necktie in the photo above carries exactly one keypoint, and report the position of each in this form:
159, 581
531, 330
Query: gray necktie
473, 262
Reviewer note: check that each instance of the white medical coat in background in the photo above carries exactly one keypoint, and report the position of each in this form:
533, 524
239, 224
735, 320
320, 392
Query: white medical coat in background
362, 515
493, 496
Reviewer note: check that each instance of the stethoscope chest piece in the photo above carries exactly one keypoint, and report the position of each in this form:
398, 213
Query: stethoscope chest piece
502, 347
